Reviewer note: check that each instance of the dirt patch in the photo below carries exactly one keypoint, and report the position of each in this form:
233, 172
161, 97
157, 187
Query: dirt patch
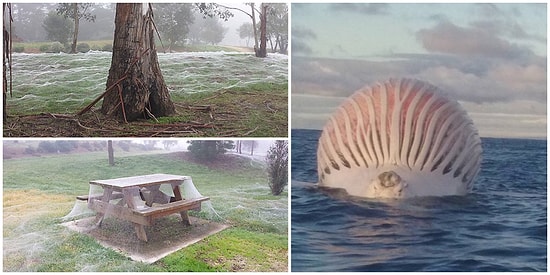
166, 236
223, 114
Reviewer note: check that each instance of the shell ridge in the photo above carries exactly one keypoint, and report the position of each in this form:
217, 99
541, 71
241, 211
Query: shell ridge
469, 150
429, 116
383, 120
351, 144
418, 125
360, 133
445, 151
408, 127
442, 130
374, 131
338, 135
395, 132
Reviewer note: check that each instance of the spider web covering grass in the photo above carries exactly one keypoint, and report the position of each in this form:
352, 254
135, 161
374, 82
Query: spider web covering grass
39, 191
66, 83
215, 94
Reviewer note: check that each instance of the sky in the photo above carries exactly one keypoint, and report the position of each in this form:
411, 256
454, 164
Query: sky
232, 24
490, 57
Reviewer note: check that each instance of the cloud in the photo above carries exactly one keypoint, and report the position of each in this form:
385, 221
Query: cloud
447, 37
474, 80
370, 9
507, 28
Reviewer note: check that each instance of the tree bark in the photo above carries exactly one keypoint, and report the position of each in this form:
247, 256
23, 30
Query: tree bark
135, 79
253, 16
111, 152
262, 51
75, 32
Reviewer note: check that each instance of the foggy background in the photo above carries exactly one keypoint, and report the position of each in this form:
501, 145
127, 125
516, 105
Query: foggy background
28, 24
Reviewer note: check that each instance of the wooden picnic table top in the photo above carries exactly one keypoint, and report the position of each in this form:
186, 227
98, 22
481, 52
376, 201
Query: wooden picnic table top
140, 181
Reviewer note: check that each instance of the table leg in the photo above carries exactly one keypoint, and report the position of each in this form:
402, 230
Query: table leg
107, 194
178, 197
128, 196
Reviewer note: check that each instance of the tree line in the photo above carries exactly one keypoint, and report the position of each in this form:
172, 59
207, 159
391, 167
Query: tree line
178, 24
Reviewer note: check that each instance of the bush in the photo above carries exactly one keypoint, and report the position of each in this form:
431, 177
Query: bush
44, 48
277, 166
18, 49
47, 147
56, 47
30, 150
83, 48
108, 48
208, 150
96, 47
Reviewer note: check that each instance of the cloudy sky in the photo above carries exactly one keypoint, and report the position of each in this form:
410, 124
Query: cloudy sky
490, 57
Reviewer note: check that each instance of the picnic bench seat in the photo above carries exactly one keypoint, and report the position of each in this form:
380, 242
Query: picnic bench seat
145, 215
114, 196
171, 208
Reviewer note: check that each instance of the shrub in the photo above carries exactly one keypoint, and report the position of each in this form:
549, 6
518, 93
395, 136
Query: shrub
83, 47
96, 47
44, 48
108, 48
277, 166
18, 49
56, 47
47, 147
30, 150
208, 150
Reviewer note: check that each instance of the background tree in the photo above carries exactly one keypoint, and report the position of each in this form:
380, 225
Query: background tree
209, 150
135, 86
277, 166
27, 17
224, 12
277, 27
167, 144
111, 152
249, 145
58, 28
76, 11
6, 53
262, 51
246, 32
173, 21
213, 31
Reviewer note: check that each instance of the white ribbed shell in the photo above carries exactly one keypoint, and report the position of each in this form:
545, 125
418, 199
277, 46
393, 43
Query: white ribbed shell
399, 138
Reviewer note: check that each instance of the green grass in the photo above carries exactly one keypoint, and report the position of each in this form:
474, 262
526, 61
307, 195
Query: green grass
215, 252
40, 190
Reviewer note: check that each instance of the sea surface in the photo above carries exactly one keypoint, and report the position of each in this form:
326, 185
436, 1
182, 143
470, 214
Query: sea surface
500, 226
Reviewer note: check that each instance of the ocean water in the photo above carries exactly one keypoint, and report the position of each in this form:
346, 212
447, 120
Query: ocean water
500, 226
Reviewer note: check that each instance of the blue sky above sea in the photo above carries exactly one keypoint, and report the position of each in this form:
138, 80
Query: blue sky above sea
490, 57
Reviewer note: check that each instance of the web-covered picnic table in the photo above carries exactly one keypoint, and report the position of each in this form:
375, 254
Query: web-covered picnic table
142, 199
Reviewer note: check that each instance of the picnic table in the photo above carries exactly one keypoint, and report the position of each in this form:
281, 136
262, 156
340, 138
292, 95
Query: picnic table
139, 200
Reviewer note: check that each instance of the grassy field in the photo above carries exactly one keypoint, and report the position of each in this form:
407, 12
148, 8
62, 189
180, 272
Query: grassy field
38, 191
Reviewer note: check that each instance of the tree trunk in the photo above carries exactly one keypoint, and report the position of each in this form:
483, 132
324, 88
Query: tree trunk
111, 152
75, 32
135, 78
6, 55
262, 51
254, 27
